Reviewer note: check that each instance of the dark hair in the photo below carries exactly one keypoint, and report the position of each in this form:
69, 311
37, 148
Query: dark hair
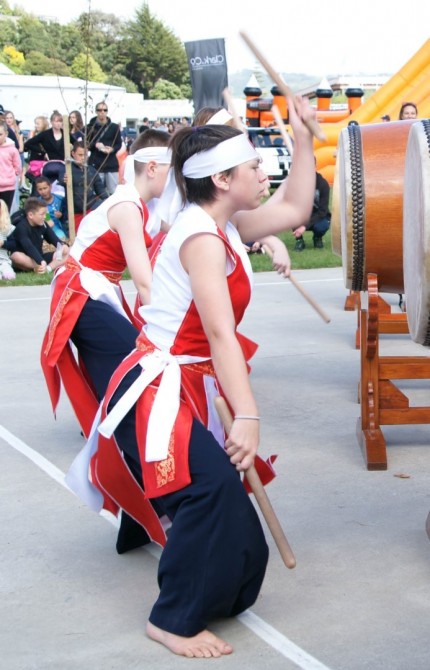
42, 179
79, 119
56, 115
77, 145
407, 104
149, 138
32, 205
204, 114
189, 141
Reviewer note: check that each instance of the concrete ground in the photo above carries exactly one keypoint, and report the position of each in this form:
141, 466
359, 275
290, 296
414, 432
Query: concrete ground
359, 598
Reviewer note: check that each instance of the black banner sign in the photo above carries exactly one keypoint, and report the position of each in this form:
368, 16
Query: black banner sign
208, 70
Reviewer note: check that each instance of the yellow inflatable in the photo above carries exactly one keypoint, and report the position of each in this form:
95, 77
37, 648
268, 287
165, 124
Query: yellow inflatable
410, 84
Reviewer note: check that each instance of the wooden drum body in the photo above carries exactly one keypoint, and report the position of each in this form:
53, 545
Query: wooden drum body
370, 200
416, 232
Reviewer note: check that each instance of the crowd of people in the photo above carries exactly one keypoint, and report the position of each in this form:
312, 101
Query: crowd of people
97, 152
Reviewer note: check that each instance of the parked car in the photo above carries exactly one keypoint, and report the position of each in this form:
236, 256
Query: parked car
275, 155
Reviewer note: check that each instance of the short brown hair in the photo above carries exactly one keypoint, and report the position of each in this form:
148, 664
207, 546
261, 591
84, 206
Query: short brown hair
149, 138
33, 205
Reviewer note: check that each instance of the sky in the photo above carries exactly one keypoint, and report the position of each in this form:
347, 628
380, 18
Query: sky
337, 37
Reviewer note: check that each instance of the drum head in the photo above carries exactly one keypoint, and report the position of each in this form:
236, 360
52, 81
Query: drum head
416, 232
344, 216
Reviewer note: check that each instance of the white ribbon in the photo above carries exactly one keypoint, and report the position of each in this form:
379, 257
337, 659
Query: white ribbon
100, 288
166, 403
77, 477
161, 155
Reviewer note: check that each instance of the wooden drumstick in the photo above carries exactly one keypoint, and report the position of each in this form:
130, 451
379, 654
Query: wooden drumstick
226, 94
300, 288
312, 124
260, 494
279, 122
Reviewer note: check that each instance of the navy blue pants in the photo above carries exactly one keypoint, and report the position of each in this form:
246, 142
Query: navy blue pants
216, 554
321, 226
103, 339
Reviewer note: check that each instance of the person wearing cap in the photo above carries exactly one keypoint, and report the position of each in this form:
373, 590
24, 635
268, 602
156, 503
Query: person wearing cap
158, 418
88, 307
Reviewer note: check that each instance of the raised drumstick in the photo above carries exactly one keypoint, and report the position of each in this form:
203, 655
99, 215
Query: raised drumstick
279, 122
260, 494
283, 87
226, 94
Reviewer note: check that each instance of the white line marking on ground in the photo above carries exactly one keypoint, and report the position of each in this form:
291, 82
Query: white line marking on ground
257, 283
279, 642
261, 628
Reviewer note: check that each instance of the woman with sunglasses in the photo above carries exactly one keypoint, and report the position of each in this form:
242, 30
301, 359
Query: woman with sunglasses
104, 141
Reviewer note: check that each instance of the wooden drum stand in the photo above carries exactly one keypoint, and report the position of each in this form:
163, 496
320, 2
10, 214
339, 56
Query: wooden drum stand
382, 402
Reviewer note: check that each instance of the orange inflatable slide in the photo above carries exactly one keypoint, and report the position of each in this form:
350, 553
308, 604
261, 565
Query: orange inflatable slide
410, 84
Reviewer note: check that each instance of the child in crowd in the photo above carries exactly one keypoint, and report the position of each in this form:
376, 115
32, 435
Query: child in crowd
6, 228
56, 210
25, 242
89, 190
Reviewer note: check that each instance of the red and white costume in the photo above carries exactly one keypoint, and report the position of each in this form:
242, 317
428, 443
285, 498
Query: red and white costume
176, 384
94, 268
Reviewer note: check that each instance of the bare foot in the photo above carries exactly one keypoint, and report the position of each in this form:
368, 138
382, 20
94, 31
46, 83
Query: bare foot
202, 645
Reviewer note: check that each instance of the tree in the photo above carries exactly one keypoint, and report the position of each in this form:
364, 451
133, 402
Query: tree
116, 79
8, 33
37, 63
66, 42
85, 67
13, 58
101, 33
149, 51
33, 36
165, 90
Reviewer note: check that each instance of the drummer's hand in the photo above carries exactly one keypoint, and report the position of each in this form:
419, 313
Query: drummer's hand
281, 261
298, 232
242, 443
299, 112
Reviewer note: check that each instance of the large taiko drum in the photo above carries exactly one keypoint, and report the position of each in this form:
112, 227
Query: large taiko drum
370, 200
416, 232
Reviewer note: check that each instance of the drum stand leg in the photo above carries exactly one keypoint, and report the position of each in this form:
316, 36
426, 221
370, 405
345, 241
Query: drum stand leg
352, 301
389, 323
382, 403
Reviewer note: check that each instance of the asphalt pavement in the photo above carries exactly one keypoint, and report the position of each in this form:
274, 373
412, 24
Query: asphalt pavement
359, 597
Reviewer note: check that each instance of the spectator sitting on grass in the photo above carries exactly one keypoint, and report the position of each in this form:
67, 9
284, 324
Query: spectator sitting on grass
25, 242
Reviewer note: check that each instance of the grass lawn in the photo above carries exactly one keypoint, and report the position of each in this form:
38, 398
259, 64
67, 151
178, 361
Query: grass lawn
303, 260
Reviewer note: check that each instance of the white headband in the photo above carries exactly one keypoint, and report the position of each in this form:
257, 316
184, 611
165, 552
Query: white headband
220, 118
161, 155
225, 155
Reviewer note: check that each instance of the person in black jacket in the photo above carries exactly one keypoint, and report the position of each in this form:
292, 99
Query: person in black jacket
25, 243
104, 141
319, 222
50, 143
